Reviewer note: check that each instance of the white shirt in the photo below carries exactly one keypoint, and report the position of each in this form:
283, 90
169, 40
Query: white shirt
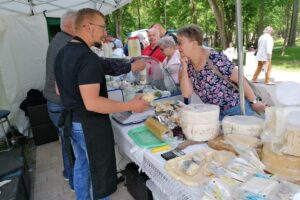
265, 47
172, 65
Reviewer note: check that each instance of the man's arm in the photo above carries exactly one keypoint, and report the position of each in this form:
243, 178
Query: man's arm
95, 103
116, 67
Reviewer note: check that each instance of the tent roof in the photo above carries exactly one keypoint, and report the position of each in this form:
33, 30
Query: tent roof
56, 8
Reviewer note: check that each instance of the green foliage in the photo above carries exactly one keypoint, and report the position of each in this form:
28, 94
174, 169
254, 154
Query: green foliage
290, 61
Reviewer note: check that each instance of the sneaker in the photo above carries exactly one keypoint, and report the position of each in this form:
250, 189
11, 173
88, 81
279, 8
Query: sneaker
65, 176
269, 83
254, 81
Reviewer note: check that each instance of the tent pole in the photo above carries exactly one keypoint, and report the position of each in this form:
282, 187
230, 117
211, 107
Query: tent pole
239, 29
31, 6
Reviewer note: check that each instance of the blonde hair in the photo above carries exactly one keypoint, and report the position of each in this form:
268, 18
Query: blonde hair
86, 13
192, 32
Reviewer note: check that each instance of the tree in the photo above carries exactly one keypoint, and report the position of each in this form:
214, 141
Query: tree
219, 15
294, 22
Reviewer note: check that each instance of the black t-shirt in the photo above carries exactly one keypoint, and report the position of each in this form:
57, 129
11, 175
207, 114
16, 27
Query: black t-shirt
77, 65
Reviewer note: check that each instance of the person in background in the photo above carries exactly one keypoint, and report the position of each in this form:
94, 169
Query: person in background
172, 61
163, 32
264, 55
117, 41
198, 74
230, 51
153, 48
118, 51
80, 79
55, 107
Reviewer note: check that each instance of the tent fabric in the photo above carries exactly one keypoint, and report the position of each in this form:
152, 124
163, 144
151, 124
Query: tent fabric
55, 8
23, 48
24, 43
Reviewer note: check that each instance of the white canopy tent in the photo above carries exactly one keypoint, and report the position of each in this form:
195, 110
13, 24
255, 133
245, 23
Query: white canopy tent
55, 8
23, 46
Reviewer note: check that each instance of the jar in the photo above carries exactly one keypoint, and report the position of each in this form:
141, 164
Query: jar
134, 47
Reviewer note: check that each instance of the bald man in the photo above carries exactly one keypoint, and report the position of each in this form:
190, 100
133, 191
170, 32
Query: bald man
54, 104
80, 77
153, 48
163, 32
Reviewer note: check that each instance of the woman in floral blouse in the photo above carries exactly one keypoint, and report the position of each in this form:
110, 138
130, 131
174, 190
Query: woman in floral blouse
197, 75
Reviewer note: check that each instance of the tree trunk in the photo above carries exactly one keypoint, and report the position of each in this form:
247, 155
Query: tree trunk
218, 13
294, 23
260, 24
193, 9
139, 15
287, 27
118, 23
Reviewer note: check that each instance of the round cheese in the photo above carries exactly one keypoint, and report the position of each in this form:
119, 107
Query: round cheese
199, 114
243, 125
281, 165
201, 132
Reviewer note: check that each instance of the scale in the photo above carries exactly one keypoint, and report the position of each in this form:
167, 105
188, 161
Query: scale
128, 117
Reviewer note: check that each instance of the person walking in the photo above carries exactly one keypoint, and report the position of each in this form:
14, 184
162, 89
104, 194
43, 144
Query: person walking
264, 55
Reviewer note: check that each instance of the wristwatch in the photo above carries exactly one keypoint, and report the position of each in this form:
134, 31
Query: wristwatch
253, 102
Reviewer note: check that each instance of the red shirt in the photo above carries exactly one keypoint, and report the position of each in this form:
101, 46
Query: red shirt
156, 54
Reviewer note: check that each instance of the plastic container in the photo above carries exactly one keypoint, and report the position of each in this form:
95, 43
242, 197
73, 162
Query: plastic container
144, 138
134, 47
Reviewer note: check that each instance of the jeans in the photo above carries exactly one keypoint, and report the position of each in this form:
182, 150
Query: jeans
82, 176
236, 110
55, 111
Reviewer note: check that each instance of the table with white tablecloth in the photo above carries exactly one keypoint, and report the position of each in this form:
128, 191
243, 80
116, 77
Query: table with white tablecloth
153, 164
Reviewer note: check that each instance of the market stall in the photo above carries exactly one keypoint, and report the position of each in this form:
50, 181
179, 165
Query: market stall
253, 158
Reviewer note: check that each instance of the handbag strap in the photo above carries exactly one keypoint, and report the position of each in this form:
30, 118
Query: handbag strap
216, 71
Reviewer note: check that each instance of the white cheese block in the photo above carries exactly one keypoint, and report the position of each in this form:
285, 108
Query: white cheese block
244, 140
201, 132
281, 165
199, 114
282, 116
291, 143
244, 125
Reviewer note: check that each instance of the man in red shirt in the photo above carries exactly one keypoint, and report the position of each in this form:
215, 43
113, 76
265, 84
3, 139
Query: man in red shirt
153, 49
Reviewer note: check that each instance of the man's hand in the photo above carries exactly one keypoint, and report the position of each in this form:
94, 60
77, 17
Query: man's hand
138, 65
138, 105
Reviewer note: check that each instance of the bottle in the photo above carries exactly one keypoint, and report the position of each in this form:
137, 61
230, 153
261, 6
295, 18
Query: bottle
134, 47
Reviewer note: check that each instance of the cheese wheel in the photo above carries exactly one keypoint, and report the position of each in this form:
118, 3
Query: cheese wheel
244, 140
292, 143
243, 125
201, 132
281, 165
199, 114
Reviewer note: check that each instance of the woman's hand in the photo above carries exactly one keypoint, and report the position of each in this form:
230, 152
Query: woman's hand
259, 107
184, 62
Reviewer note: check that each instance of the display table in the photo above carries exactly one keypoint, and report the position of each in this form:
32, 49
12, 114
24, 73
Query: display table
153, 164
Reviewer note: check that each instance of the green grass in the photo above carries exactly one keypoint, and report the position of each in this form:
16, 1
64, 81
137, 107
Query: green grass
290, 61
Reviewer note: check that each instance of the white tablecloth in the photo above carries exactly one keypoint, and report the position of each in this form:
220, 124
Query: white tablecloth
153, 164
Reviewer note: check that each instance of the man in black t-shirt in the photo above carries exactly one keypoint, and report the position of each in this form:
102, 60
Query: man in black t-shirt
80, 78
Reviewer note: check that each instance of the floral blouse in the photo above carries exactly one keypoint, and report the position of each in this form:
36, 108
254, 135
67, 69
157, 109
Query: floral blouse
211, 88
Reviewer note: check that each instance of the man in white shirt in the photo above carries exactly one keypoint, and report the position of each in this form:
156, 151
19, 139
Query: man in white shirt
264, 55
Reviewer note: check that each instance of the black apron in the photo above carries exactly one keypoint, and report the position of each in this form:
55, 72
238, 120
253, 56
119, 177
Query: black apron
99, 141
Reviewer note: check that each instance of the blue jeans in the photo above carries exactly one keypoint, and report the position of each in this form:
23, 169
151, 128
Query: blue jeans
55, 111
82, 175
236, 110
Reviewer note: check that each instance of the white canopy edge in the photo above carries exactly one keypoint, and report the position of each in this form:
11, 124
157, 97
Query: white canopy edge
56, 8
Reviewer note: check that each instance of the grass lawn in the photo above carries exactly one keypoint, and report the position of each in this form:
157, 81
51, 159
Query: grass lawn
290, 61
